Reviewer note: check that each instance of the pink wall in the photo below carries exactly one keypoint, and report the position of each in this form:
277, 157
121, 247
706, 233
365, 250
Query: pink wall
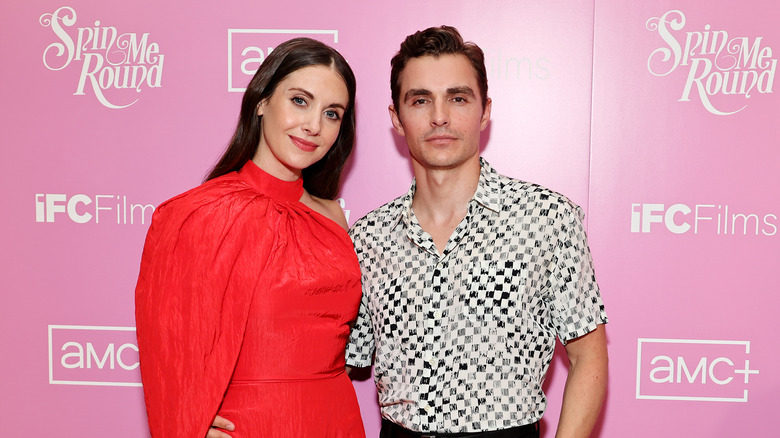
661, 155
583, 102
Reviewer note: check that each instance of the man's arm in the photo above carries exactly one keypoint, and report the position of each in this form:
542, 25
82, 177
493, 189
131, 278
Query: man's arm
586, 384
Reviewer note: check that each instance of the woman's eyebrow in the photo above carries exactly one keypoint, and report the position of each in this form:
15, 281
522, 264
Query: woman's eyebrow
304, 91
311, 96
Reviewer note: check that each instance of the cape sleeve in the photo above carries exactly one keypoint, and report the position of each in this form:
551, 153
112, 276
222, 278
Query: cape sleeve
200, 264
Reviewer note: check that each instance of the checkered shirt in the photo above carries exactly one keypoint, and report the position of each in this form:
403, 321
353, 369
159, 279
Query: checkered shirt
463, 339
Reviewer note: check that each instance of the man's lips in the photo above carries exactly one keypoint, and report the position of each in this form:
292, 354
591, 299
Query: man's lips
303, 144
440, 138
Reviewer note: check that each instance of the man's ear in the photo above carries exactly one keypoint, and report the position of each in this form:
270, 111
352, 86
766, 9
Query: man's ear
486, 114
399, 127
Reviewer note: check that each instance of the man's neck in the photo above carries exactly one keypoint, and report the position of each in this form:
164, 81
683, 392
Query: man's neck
442, 197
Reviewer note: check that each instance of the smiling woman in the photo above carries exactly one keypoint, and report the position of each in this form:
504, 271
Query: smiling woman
300, 121
322, 178
249, 283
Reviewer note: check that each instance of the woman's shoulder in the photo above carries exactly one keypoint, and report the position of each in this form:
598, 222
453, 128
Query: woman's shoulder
227, 192
327, 207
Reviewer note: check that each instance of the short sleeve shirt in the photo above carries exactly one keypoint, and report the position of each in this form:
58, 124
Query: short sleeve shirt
462, 340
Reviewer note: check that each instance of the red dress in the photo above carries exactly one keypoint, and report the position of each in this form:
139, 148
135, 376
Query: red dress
243, 308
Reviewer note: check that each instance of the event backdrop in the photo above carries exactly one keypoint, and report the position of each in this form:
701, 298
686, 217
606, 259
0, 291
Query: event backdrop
659, 118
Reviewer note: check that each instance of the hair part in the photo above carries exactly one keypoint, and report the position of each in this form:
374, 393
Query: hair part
437, 41
321, 179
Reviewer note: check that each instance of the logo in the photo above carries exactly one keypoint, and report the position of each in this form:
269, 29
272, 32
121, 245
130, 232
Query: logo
248, 48
701, 219
343, 205
502, 66
108, 60
719, 66
696, 370
92, 355
83, 209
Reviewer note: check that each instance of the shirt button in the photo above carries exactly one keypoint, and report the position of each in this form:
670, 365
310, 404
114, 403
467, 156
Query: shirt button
437, 314
427, 408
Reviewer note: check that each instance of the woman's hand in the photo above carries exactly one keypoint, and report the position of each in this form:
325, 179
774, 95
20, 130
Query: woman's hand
220, 423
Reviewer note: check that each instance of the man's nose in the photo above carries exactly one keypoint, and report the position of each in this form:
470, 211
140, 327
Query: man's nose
440, 116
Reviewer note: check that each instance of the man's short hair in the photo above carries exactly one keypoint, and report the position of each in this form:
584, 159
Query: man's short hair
437, 41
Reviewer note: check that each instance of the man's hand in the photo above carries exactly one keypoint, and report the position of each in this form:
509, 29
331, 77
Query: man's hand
220, 423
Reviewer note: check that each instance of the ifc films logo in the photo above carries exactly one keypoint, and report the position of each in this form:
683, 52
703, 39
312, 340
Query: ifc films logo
693, 370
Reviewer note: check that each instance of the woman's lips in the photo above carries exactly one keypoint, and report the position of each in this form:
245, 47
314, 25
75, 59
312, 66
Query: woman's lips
302, 144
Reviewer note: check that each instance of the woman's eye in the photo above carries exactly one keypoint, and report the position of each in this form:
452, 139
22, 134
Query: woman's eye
332, 115
299, 101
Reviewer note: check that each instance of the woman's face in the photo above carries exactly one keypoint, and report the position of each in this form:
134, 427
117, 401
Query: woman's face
300, 121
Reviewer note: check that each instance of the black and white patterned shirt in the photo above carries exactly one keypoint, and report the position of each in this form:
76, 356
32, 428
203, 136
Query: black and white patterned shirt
463, 339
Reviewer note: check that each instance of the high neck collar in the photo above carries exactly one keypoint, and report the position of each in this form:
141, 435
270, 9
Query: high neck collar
270, 185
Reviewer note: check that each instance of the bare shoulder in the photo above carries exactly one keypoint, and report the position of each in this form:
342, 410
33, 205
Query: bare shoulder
326, 207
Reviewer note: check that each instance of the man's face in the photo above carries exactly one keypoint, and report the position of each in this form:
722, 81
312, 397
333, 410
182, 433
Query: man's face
440, 111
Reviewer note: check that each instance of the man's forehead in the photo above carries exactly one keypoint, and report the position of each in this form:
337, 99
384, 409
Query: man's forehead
438, 73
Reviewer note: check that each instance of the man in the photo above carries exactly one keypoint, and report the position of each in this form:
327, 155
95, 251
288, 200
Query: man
470, 276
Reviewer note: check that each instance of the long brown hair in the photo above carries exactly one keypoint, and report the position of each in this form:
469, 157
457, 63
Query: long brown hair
322, 178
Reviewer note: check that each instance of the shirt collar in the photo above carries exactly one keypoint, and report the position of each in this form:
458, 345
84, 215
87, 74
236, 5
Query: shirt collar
404, 212
488, 194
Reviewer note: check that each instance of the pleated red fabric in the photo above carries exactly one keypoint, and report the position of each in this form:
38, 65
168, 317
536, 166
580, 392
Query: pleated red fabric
243, 308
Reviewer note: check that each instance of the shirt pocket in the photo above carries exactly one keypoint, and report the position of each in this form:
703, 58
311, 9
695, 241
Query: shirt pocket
485, 311
512, 312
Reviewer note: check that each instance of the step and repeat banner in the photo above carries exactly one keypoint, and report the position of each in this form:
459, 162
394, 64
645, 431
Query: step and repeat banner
659, 118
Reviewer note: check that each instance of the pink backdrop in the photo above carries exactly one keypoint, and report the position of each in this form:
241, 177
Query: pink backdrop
659, 118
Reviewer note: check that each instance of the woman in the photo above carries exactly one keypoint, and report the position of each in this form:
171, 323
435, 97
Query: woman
249, 283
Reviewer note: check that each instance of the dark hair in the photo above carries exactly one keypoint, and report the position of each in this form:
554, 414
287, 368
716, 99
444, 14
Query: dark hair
437, 41
322, 178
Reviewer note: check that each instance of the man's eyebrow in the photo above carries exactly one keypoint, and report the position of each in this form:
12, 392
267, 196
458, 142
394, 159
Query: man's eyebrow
461, 90
416, 92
